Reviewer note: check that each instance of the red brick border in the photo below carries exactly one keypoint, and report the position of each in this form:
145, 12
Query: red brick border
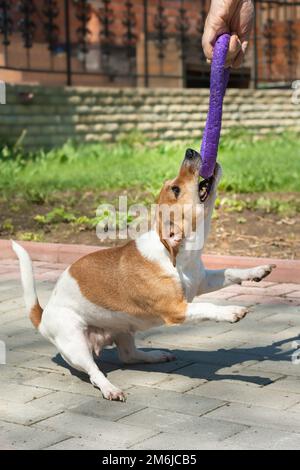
287, 270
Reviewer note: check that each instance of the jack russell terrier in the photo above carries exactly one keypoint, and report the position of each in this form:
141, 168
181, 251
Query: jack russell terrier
109, 295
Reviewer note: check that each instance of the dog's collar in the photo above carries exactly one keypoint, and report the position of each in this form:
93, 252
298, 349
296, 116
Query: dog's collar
204, 188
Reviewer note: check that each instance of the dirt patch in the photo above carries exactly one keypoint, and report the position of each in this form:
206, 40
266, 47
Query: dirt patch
246, 225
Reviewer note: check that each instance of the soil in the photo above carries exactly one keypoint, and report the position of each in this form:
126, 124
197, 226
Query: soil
246, 233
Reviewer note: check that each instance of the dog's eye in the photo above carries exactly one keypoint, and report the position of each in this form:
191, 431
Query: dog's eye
176, 190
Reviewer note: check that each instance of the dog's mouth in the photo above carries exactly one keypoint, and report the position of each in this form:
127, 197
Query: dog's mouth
204, 188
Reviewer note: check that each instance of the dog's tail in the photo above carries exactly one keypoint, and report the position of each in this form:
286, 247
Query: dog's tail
33, 307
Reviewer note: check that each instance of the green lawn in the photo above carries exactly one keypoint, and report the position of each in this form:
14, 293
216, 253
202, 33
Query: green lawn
249, 165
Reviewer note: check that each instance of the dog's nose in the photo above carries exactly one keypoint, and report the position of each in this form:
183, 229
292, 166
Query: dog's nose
191, 154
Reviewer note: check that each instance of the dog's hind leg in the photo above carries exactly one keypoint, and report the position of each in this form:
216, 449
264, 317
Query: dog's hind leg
74, 347
217, 279
129, 354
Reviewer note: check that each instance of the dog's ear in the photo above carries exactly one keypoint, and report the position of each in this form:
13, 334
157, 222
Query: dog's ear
171, 236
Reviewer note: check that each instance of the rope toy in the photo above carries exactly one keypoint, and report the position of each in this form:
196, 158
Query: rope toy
219, 76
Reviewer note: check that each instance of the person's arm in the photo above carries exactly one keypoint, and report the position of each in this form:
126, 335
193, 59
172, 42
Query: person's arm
229, 16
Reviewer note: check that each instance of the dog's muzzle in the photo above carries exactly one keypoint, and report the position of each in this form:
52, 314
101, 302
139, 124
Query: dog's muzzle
204, 188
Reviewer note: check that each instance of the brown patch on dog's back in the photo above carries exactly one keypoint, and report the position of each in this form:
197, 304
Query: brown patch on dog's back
120, 279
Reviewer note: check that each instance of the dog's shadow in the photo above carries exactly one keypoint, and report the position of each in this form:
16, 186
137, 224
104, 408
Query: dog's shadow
210, 363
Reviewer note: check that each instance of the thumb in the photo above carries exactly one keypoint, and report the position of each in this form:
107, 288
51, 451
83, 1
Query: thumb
234, 49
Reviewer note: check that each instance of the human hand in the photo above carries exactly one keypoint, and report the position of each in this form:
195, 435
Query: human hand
229, 16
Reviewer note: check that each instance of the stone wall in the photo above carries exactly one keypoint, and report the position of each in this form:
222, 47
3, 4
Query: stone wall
52, 115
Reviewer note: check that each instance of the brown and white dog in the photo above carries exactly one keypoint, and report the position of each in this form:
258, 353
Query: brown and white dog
107, 296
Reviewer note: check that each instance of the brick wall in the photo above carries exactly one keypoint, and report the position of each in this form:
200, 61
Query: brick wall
101, 114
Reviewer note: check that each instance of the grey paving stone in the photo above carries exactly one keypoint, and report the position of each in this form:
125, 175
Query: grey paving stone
189, 335
167, 421
55, 402
178, 383
97, 429
10, 374
174, 441
30, 342
263, 439
284, 367
242, 393
17, 358
242, 374
265, 417
22, 413
172, 401
144, 374
78, 443
286, 384
16, 436
205, 372
107, 409
10, 316
17, 393
65, 383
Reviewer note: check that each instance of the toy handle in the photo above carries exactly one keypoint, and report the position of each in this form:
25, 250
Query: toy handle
219, 76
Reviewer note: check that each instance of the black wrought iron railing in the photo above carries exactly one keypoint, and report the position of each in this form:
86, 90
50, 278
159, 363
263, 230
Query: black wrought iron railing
138, 43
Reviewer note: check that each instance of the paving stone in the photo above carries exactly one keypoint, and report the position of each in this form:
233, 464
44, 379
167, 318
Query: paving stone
108, 409
78, 443
241, 393
97, 429
206, 371
144, 374
286, 384
239, 374
258, 416
284, 367
22, 413
179, 441
10, 374
263, 438
30, 342
16, 437
17, 358
167, 421
178, 383
167, 400
55, 402
248, 300
65, 383
18, 393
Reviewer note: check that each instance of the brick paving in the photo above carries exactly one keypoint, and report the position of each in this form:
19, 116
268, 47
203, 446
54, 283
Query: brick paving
231, 387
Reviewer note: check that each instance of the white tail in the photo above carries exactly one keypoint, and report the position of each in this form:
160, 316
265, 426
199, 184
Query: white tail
30, 296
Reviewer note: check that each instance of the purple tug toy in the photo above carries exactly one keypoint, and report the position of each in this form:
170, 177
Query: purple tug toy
218, 83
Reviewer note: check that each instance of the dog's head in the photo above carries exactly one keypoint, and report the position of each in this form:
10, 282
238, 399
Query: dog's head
182, 201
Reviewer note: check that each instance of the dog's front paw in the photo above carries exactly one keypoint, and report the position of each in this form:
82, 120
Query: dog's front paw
234, 313
260, 272
113, 393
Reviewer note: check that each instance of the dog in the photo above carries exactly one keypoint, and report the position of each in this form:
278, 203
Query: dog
104, 298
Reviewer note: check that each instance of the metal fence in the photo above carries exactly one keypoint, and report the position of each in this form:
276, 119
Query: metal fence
138, 43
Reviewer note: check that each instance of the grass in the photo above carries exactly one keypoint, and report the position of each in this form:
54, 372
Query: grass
271, 164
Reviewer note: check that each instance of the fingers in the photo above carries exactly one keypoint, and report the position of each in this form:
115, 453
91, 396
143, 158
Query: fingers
234, 50
235, 55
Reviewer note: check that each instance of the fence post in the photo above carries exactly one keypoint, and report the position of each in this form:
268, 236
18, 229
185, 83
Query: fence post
146, 63
68, 43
